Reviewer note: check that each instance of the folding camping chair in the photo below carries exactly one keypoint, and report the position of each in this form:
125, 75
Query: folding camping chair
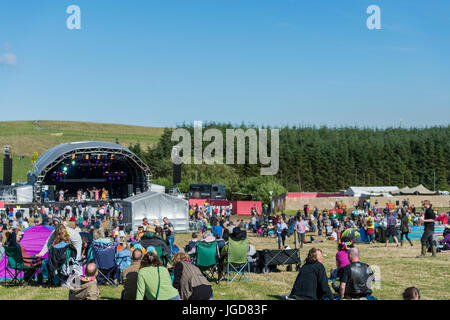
237, 260
17, 264
104, 256
63, 270
206, 258
161, 246
163, 256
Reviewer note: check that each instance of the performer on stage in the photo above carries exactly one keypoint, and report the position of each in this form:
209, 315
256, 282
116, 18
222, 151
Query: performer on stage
96, 193
91, 194
61, 195
104, 194
79, 195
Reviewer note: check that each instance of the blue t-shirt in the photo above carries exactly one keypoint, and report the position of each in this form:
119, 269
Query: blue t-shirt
217, 230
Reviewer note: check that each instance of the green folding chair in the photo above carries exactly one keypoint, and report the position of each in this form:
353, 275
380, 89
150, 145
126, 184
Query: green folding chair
237, 260
16, 265
206, 258
163, 256
59, 278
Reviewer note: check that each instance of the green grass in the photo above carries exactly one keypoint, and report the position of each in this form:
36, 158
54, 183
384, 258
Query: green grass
27, 137
399, 270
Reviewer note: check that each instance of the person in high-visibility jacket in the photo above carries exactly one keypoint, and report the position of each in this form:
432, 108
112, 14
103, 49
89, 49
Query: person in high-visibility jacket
370, 228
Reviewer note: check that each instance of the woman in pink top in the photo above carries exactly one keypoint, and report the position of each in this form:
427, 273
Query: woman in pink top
341, 257
341, 261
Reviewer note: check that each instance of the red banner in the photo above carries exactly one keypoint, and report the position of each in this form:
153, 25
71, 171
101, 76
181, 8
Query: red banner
313, 195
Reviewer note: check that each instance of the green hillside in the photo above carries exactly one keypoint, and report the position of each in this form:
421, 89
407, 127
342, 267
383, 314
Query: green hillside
27, 137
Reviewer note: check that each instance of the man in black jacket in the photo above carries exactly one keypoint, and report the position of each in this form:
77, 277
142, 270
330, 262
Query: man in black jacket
428, 232
356, 278
312, 280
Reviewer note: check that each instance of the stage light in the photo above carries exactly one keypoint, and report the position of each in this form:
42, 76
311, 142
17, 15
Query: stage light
65, 169
73, 156
87, 157
73, 162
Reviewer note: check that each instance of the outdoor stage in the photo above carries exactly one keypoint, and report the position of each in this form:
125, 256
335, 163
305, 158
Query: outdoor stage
92, 167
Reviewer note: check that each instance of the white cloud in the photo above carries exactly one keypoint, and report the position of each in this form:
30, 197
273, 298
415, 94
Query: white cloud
8, 58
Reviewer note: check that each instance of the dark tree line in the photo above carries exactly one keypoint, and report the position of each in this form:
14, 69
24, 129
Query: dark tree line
323, 159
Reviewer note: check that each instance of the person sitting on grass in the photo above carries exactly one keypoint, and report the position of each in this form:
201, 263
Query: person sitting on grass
312, 281
154, 281
218, 229
191, 245
411, 293
341, 260
356, 278
130, 276
220, 242
189, 280
86, 287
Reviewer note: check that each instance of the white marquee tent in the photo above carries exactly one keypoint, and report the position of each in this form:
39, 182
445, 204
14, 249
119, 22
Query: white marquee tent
156, 206
371, 191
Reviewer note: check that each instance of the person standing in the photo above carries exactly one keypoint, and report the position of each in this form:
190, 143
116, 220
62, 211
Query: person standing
428, 232
170, 233
96, 193
300, 227
370, 228
391, 228
404, 227
61, 195
281, 232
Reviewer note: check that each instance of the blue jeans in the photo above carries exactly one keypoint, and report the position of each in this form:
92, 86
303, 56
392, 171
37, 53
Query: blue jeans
171, 240
281, 238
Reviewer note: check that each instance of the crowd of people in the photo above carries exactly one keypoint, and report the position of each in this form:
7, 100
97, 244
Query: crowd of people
153, 267
374, 223
145, 273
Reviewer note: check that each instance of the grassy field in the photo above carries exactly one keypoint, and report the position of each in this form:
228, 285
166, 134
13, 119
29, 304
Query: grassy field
398, 267
27, 137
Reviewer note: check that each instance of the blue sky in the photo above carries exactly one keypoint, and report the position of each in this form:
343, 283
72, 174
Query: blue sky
266, 62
